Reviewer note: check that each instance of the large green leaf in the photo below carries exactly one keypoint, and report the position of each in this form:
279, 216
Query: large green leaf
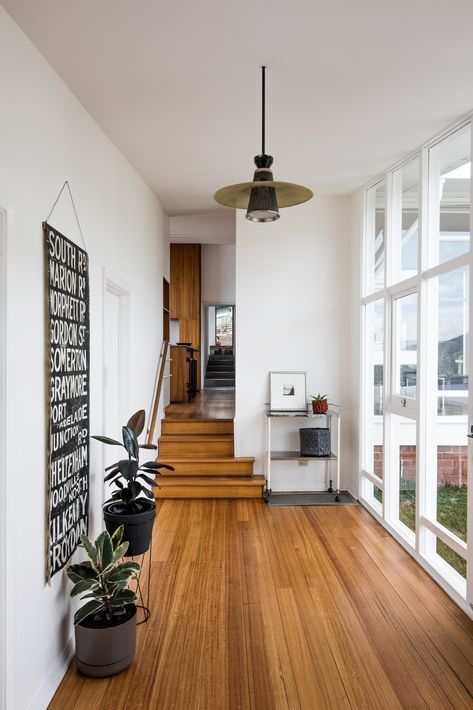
135, 489
120, 551
123, 596
151, 471
165, 465
92, 607
148, 480
149, 493
107, 440
104, 549
80, 572
131, 566
89, 548
137, 422
117, 536
150, 464
112, 474
130, 441
84, 586
128, 468
118, 576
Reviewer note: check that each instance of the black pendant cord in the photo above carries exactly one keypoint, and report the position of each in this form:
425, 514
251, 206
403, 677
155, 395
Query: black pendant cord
263, 110
66, 184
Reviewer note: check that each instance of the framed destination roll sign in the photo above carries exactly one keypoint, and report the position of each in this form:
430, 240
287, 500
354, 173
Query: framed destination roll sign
67, 273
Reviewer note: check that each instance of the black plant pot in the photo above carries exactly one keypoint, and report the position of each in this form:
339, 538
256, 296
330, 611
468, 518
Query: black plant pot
138, 527
102, 652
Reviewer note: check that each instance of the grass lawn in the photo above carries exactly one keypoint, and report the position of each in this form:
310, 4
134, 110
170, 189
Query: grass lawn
451, 513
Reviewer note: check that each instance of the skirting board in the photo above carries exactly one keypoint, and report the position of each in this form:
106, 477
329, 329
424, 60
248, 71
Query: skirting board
53, 679
308, 498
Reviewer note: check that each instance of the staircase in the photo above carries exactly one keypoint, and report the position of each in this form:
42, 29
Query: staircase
201, 451
220, 372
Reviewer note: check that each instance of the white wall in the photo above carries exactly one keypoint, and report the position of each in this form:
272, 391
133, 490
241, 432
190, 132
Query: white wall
294, 304
218, 274
212, 227
46, 137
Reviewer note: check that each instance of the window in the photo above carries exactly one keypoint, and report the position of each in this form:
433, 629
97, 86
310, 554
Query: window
416, 354
224, 326
450, 196
375, 225
405, 221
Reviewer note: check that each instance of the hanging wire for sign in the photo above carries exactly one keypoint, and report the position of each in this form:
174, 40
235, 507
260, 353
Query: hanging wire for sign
66, 184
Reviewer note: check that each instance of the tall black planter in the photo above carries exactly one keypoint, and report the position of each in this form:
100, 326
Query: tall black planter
107, 651
138, 527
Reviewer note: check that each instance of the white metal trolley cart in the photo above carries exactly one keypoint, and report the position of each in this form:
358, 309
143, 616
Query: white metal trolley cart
271, 455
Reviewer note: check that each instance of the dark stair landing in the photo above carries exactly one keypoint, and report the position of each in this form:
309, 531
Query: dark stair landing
220, 372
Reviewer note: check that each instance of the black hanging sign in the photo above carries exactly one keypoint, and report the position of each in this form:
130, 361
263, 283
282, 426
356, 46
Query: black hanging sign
68, 357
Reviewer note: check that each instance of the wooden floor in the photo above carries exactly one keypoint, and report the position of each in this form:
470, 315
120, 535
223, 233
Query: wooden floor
299, 607
207, 404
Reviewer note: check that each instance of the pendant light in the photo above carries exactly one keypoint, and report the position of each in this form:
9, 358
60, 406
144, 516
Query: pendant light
263, 197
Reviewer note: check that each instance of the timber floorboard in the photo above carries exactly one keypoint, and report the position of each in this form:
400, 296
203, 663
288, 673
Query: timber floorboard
207, 404
260, 607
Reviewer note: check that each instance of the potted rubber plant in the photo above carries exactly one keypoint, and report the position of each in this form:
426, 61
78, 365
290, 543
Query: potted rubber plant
105, 626
132, 502
319, 403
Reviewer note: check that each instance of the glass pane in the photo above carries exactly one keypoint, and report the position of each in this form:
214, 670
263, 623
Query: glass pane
404, 461
375, 229
224, 326
452, 290
406, 220
405, 356
449, 189
375, 374
452, 557
378, 493
452, 373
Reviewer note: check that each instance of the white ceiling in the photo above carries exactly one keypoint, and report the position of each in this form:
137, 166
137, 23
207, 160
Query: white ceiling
352, 86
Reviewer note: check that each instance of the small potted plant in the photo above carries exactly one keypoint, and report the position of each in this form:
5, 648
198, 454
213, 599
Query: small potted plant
105, 626
132, 503
319, 404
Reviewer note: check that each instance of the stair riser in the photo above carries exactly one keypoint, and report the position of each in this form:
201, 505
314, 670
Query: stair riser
198, 426
195, 449
219, 383
170, 491
220, 374
201, 468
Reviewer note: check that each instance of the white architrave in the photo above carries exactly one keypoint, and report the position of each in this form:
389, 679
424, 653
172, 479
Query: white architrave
3, 461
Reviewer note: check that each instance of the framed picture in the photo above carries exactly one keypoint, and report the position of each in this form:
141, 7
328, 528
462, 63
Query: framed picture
288, 391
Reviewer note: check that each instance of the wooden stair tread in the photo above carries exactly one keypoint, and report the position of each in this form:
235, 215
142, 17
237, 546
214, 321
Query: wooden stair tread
193, 420
211, 481
174, 438
206, 459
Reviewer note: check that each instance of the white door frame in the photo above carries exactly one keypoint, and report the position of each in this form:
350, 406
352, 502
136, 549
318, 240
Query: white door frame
3, 460
112, 283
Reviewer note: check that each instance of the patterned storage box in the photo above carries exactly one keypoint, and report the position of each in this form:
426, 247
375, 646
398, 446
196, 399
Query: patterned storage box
315, 441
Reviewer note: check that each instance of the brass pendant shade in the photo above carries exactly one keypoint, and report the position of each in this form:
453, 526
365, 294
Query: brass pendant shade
263, 197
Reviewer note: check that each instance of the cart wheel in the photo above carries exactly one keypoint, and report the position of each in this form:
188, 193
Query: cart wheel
330, 487
337, 498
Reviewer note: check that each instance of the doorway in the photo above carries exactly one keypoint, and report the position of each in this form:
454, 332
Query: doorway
116, 359
218, 347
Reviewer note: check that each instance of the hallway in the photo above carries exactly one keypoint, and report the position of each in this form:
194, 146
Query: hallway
295, 607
